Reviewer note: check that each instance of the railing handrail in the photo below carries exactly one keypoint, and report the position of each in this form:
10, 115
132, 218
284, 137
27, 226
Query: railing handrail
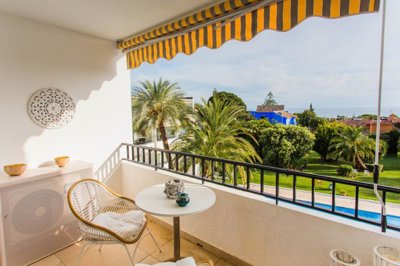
274, 169
173, 158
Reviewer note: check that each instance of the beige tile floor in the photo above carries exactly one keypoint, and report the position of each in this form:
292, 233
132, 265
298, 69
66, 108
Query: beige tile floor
115, 255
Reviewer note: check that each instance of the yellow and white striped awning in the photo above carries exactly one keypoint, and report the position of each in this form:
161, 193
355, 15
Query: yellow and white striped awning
232, 20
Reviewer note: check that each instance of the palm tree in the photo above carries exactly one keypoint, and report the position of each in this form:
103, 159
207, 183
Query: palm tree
156, 104
216, 131
353, 146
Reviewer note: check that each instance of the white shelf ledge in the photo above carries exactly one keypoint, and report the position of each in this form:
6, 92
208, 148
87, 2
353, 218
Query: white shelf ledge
34, 174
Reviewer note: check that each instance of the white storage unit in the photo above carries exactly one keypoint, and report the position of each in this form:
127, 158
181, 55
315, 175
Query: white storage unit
36, 220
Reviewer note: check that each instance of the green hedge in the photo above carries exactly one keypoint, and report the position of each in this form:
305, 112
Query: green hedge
345, 170
370, 167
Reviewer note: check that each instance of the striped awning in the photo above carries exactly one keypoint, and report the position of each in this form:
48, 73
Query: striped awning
232, 20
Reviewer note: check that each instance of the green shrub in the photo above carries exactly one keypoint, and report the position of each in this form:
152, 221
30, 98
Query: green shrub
353, 175
345, 170
370, 167
286, 146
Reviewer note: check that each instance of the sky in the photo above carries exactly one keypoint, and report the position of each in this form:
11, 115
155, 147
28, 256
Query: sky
331, 63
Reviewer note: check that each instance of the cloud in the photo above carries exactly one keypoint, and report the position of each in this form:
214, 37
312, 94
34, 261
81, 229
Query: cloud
329, 62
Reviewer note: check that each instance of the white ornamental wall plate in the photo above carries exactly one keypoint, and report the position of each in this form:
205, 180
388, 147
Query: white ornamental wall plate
51, 108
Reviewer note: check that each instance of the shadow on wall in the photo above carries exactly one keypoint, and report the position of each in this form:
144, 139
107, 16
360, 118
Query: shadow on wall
36, 55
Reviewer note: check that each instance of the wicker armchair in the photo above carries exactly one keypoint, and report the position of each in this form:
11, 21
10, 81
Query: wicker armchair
88, 198
202, 263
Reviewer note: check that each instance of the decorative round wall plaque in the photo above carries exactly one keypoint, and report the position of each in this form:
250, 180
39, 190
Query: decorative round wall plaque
51, 108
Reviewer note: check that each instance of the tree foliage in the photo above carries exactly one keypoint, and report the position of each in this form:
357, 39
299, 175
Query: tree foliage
270, 100
352, 145
286, 146
368, 116
155, 104
398, 148
256, 129
309, 119
323, 136
229, 97
392, 138
216, 131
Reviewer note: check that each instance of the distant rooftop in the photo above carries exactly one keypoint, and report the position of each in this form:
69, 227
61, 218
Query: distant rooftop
285, 114
270, 108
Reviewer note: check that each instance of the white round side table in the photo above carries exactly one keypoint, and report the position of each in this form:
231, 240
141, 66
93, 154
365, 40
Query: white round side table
153, 201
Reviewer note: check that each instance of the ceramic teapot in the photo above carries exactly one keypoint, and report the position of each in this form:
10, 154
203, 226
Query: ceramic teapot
173, 187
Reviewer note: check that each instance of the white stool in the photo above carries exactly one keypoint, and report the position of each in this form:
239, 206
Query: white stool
386, 256
342, 258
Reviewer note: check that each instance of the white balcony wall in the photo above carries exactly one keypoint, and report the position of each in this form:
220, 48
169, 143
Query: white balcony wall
257, 231
34, 55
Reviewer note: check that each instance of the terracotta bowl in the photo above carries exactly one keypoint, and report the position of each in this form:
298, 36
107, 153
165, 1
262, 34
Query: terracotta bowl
61, 161
15, 169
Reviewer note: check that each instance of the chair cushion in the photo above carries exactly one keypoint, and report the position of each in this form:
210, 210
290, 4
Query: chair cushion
126, 225
183, 262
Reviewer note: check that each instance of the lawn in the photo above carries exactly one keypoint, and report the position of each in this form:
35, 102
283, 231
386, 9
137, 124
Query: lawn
390, 177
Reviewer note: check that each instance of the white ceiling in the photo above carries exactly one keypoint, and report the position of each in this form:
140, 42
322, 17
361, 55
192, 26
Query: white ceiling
109, 19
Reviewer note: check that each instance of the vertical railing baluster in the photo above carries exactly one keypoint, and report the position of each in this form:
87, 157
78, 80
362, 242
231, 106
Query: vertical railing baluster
333, 195
313, 192
262, 181
193, 166
276, 188
383, 217
247, 178
184, 164
357, 201
203, 170
384, 196
155, 159
294, 188
212, 169
234, 175
223, 172
162, 159
176, 162
133, 153
137, 154
143, 155
127, 152
149, 156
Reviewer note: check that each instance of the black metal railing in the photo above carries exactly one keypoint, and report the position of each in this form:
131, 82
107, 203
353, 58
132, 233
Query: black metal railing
281, 185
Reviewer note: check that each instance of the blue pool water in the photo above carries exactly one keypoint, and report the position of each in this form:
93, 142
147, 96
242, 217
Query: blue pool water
392, 220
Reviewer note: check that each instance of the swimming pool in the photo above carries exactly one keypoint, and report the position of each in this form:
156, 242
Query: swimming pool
392, 220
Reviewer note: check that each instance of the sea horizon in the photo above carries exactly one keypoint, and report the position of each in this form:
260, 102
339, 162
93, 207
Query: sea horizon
333, 112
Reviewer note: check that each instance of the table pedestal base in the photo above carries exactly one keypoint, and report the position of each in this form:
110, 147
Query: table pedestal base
177, 239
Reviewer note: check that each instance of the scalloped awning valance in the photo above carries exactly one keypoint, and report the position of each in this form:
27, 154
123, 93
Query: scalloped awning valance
232, 20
